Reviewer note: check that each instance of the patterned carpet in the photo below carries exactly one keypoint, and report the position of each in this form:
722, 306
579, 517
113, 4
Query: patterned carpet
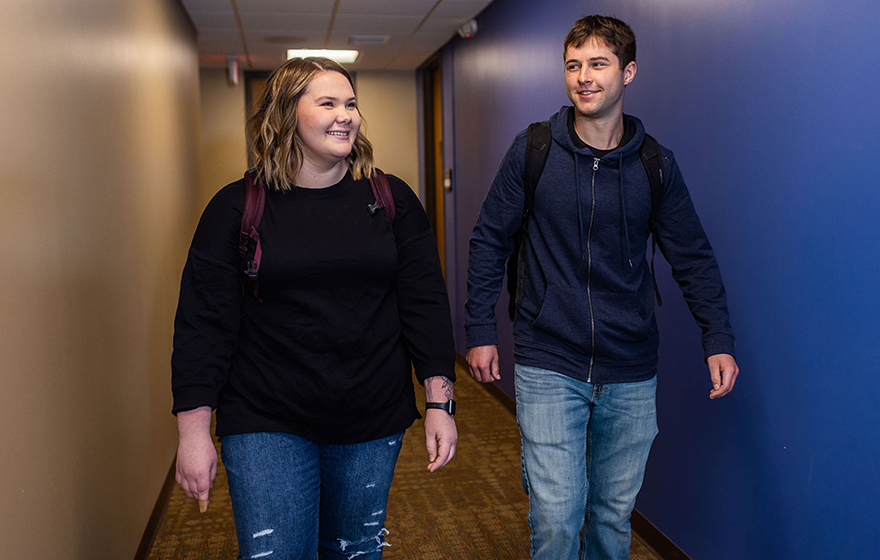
474, 508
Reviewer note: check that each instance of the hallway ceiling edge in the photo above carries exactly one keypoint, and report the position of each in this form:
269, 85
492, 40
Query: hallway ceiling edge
390, 34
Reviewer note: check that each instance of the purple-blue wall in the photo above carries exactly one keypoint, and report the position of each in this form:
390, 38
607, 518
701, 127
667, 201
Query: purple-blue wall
772, 110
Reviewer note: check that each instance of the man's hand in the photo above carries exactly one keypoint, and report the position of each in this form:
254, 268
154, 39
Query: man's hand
723, 371
440, 437
483, 363
196, 455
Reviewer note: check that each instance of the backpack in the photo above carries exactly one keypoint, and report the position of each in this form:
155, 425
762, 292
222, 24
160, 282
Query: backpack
538, 140
255, 202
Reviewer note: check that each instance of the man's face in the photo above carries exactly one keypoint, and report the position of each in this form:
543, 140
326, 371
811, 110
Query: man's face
595, 81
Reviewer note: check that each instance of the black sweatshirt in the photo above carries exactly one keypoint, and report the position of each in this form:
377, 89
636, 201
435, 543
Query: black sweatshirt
347, 307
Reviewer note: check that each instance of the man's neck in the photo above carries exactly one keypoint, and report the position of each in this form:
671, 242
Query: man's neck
601, 133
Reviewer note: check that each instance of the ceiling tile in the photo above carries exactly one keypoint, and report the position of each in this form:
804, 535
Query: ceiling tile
461, 8
375, 24
304, 23
286, 6
443, 24
257, 39
294, 23
207, 5
207, 19
398, 7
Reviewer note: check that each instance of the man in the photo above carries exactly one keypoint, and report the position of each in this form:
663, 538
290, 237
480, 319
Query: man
585, 333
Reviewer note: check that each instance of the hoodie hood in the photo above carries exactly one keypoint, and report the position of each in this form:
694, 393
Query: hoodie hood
559, 132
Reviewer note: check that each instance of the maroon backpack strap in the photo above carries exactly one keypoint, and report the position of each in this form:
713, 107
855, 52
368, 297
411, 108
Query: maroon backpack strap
382, 193
254, 203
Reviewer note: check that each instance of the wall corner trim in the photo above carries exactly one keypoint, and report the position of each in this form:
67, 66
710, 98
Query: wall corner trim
152, 527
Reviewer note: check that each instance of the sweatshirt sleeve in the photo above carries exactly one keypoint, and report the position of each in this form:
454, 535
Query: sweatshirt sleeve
208, 311
491, 244
684, 244
422, 300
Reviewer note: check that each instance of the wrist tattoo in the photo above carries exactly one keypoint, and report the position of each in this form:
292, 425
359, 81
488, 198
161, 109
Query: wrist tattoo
445, 391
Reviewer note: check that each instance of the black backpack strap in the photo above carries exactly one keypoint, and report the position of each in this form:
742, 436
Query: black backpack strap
382, 193
538, 139
249, 236
652, 161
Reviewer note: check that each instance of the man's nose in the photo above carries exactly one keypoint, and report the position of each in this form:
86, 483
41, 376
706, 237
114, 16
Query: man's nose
584, 76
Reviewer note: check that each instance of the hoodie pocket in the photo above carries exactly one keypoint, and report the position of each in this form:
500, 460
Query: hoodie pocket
565, 314
621, 326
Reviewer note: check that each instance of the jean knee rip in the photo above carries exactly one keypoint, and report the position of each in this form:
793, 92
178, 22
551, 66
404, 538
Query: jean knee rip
260, 535
349, 546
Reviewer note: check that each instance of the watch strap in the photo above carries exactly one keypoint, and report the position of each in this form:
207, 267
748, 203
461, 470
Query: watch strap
448, 406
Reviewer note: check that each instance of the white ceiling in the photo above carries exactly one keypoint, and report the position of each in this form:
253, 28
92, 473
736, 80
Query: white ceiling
259, 32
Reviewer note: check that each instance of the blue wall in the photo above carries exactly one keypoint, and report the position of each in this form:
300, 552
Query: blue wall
772, 111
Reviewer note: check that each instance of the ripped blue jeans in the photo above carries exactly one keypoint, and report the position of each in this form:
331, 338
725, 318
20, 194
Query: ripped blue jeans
293, 498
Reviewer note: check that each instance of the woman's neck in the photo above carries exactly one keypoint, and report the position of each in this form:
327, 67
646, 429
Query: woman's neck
316, 176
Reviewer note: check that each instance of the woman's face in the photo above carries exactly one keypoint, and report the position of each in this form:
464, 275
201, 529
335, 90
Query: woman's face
327, 119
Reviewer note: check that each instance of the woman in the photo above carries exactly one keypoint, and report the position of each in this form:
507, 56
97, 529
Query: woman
311, 379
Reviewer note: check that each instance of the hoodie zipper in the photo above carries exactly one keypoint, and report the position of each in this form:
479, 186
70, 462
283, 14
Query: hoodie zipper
590, 270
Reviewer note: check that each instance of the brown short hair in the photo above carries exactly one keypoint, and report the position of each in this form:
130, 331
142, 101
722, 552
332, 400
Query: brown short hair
613, 32
272, 126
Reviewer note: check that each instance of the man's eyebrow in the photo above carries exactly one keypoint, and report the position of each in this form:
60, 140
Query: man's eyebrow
591, 59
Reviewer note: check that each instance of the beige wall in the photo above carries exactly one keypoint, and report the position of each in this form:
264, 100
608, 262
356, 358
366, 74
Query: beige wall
99, 116
223, 145
388, 103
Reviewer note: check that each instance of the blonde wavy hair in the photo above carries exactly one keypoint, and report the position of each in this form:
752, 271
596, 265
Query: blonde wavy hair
271, 128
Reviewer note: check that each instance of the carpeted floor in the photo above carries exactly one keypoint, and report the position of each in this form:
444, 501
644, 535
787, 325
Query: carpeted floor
474, 508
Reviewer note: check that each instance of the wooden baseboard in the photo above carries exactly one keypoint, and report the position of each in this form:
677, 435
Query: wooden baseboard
143, 550
649, 533
654, 537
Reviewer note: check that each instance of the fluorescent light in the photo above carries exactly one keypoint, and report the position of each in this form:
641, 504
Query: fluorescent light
342, 57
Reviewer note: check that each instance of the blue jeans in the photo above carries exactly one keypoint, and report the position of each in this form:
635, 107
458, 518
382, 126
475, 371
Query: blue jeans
295, 499
584, 449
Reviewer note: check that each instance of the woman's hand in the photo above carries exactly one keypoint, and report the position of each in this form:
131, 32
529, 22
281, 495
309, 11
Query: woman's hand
440, 433
440, 438
196, 455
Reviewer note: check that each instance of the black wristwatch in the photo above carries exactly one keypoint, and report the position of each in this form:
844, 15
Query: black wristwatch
448, 406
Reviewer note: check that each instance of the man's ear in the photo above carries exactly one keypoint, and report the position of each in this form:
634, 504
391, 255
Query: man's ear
629, 73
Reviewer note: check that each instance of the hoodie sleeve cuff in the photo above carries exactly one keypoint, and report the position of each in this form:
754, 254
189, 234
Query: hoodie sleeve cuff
193, 397
480, 335
719, 343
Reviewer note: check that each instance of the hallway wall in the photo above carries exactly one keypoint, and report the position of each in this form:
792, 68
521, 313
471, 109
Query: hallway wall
770, 108
387, 100
223, 145
98, 159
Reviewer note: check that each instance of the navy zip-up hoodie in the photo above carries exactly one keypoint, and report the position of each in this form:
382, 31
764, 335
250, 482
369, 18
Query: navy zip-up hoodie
588, 300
